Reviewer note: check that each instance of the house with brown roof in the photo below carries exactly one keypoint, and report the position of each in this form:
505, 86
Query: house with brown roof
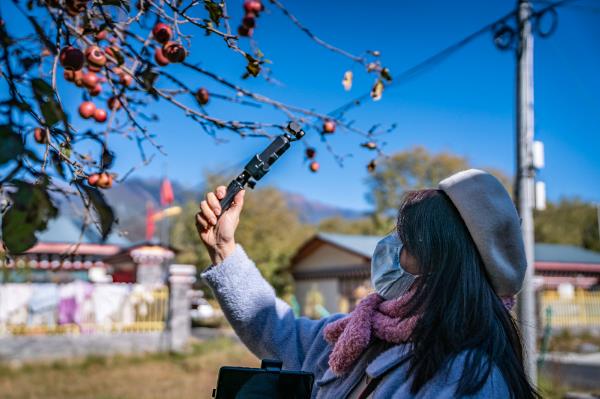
335, 268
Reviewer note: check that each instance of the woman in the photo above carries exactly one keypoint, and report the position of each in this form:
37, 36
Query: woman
438, 324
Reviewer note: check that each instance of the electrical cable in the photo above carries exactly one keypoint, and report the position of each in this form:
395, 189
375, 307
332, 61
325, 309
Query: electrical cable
426, 63
440, 56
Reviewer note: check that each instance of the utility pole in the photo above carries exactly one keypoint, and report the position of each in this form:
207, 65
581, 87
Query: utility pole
524, 184
598, 212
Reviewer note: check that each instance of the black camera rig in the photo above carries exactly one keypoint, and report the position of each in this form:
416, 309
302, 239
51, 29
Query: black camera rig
261, 163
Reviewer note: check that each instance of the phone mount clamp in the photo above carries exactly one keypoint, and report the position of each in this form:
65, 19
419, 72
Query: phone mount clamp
261, 163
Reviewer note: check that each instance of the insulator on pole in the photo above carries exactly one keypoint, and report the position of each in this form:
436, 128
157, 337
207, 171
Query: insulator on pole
538, 155
540, 196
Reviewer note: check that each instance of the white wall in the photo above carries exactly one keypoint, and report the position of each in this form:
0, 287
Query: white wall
327, 287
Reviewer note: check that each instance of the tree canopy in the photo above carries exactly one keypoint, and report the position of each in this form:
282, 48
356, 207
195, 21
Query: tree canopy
122, 57
569, 221
411, 169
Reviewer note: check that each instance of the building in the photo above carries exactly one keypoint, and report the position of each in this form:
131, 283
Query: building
144, 263
336, 268
559, 264
65, 252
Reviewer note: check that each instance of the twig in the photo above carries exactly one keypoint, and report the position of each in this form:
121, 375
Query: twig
319, 41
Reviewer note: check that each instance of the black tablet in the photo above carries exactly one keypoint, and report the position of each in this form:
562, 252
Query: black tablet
263, 383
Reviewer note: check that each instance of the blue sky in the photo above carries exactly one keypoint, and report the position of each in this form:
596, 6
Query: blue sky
464, 105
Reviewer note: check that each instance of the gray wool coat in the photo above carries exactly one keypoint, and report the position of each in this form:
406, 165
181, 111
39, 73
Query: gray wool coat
268, 327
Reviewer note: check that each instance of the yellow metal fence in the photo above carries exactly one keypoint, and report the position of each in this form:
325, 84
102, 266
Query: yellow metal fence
582, 309
150, 314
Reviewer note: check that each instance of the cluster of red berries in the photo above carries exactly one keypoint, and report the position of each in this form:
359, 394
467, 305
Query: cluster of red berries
328, 128
100, 180
90, 80
94, 60
310, 154
73, 59
124, 78
252, 9
88, 109
170, 52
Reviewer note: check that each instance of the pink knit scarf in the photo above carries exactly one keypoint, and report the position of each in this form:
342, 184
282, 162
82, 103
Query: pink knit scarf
372, 317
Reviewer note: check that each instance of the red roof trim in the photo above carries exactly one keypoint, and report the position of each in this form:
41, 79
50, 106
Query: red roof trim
81, 249
577, 281
571, 267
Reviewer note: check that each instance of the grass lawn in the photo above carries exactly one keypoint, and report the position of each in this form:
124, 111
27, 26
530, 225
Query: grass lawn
163, 376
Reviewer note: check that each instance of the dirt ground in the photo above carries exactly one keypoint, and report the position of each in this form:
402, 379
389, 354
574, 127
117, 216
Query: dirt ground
161, 376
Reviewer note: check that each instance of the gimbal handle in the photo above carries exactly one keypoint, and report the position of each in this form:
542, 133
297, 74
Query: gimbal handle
260, 164
232, 189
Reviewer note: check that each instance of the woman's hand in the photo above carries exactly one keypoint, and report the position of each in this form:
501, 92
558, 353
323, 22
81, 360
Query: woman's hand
218, 234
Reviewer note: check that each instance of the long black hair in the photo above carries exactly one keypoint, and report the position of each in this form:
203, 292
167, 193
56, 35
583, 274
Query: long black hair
460, 312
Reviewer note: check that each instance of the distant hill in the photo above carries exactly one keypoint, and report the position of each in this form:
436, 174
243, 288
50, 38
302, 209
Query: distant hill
312, 211
134, 193
129, 200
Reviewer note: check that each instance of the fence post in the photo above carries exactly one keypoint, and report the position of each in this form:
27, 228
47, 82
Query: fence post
181, 278
150, 262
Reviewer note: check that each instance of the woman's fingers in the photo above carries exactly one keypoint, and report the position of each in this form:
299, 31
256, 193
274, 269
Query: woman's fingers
201, 221
238, 203
210, 208
208, 213
212, 200
221, 191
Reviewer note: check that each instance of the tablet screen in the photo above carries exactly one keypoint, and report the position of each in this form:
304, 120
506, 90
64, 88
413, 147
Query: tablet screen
249, 383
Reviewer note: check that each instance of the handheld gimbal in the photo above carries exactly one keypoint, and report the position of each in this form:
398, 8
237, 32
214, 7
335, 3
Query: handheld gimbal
261, 163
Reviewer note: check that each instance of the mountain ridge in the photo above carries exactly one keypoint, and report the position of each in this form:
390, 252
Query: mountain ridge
129, 200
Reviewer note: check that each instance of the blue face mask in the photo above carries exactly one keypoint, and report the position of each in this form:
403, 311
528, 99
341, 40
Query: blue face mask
388, 277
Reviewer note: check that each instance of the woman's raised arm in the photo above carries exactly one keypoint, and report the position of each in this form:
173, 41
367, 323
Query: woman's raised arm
265, 323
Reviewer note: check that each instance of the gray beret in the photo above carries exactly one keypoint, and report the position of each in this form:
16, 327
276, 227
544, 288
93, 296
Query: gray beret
494, 224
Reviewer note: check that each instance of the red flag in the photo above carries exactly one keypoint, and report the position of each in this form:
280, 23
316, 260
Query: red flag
166, 193
149, 221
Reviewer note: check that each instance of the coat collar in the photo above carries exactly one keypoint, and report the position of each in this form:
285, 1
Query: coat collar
388, 359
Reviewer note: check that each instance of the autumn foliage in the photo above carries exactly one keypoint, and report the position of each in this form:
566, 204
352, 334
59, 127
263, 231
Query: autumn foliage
119, 55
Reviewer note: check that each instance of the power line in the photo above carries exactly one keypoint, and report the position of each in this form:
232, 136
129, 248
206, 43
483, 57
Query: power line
577, 7
440, 56
426, 63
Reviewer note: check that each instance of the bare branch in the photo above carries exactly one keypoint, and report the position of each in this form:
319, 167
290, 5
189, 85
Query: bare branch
361, 60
